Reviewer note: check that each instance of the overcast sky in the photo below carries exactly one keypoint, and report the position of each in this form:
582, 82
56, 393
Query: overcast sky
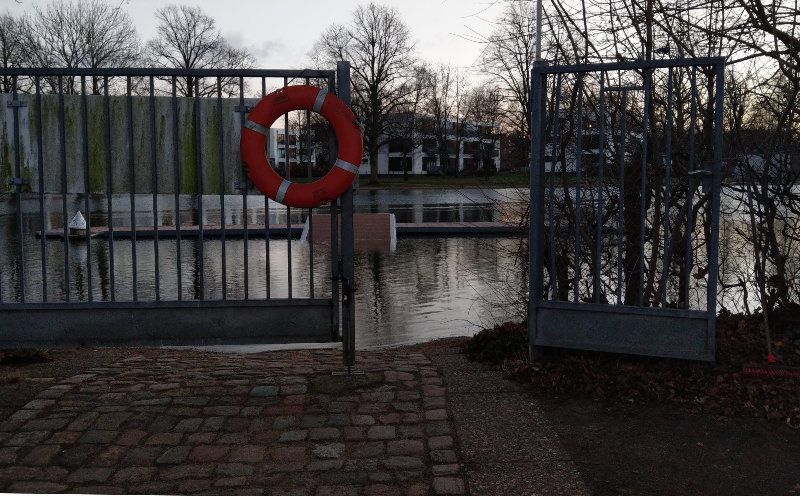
281, 33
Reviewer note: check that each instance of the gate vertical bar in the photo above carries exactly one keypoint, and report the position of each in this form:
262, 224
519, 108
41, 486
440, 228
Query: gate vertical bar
348, 270
287, 163
667, 181
266, 217
109, 190
335, 276
243, 188
310, 210
713, 269
690, 191
86, 185
578, 166
63, 155
551, 198
15, 106
643, 190
154, 187
221, 172
40, 165
536, 229
176, 172
599, 215
198, 147
132, 193
621, 193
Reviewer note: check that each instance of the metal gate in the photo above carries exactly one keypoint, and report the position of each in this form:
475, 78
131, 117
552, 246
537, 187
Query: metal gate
625, 192
179, 249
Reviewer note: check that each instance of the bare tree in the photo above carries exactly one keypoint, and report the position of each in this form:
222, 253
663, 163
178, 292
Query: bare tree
508, 57
12, 47
405, 127
445, 102
86, 33
378, 45
189, 39
484, 109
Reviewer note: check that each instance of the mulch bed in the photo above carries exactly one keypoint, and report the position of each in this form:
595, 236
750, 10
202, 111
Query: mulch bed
740, 383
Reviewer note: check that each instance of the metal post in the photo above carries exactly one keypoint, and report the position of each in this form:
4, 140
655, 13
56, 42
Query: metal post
536, 236
348, 272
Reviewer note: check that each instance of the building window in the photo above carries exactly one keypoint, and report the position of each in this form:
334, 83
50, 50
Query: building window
452, 147
400, 145
396, 164
471, 148
429, 164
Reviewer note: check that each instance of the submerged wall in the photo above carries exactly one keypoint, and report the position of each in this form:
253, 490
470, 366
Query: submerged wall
84, 150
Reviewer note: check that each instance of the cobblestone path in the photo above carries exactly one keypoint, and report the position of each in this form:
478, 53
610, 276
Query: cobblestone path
278, 423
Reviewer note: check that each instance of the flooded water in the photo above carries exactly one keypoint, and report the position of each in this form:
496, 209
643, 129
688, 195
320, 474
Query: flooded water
427, 288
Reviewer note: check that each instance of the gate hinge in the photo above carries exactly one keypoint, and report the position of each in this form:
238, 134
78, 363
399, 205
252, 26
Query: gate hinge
17, 103
17, 181
242, 185
706, 177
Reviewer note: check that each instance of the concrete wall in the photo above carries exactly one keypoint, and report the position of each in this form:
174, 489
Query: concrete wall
79, 151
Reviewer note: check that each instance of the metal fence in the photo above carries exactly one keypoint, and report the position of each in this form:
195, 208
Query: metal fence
625, 192
178, 247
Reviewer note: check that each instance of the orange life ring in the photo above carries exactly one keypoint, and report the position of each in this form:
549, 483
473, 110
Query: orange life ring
348, 136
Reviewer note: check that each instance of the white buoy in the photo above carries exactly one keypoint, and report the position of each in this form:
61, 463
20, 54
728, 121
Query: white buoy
77, 226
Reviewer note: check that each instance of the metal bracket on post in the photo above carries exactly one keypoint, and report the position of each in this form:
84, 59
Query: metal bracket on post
348, 292
245, 185
17, 181
243, 108
17, 103
706, 177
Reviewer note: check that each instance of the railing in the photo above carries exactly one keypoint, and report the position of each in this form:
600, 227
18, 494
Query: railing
625, 208
173, 226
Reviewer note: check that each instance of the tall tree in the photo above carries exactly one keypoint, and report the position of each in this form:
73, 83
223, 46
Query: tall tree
378, 45
189, 39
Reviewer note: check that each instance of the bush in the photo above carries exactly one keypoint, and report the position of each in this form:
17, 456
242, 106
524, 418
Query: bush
503, 341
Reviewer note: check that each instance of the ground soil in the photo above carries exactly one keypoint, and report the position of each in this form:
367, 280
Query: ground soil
664, 450
620, 447
645, 425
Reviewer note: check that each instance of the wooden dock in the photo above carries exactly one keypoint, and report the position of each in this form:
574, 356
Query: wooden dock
295, 230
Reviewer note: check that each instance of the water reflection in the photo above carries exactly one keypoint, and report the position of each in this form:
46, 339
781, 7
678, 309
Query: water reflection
427, 288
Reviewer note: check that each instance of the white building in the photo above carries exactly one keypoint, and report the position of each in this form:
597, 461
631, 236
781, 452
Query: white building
279, 147
418, 151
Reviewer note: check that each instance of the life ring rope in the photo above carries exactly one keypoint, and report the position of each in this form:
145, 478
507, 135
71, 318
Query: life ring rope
257, 129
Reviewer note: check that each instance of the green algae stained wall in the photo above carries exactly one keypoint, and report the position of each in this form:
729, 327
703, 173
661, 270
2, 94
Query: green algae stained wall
74, 159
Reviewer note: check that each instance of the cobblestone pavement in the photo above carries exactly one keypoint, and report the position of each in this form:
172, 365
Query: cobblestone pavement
276, 423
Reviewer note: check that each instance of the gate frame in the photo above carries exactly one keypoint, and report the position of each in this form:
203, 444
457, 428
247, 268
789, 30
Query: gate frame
617, 328
46, 324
